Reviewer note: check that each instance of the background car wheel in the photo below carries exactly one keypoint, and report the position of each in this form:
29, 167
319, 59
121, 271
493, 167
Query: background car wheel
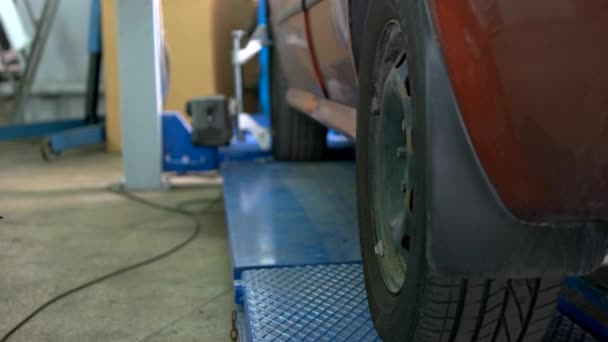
296, 137
407, 301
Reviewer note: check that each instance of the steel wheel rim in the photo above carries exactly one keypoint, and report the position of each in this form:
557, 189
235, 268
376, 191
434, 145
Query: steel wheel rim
392, 158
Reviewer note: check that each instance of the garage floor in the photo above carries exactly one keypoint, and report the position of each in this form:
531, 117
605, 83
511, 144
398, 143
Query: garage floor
61, 227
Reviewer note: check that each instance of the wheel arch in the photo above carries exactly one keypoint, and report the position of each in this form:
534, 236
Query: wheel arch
465, 216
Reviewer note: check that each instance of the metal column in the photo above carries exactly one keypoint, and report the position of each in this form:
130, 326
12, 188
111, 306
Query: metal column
139, 51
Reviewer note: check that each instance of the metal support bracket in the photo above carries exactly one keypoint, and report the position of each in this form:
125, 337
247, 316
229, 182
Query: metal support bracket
240, 56
259, 132
256, 42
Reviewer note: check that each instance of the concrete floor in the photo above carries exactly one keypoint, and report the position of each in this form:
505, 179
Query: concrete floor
61, 227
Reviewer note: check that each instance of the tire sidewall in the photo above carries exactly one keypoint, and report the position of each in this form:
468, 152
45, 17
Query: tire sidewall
395, 315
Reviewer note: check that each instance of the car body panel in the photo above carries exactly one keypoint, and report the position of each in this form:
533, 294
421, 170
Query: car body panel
330, 113
330, 28
291, 39
283, 9
318, 38
531, 80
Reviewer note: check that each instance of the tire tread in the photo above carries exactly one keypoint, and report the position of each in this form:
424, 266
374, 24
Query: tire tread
486, 309
296, 136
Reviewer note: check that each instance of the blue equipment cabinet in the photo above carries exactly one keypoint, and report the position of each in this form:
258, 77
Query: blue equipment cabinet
179, 155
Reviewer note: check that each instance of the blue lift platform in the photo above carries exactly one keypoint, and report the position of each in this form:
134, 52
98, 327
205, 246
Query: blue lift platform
296, 261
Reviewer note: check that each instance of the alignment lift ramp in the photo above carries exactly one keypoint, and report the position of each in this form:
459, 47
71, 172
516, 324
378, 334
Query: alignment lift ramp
293, 230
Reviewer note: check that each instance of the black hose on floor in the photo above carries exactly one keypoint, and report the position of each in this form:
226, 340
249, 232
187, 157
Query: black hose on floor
179, 209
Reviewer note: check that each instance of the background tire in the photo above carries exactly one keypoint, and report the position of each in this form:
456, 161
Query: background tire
429, 307
296, 136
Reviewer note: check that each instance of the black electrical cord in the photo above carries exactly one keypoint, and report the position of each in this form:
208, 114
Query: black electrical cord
179, 209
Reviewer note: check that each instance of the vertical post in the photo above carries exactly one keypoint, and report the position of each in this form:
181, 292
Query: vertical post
264, 60
95, 55
139, 35
237, 37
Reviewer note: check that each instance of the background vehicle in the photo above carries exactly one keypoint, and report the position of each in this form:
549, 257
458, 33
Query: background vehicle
480, 132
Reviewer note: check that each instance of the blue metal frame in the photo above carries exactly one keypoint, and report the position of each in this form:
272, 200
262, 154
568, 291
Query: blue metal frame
264, 61
37, 129
594, 295
179, 155
77, 137
590, 291
585, 321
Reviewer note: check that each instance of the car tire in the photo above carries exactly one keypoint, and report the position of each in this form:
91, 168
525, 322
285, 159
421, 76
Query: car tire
296, 136
421, 305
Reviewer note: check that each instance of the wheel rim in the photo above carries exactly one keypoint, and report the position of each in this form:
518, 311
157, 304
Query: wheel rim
392, 159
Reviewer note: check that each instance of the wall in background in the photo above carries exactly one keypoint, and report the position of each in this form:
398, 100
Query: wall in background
58, 90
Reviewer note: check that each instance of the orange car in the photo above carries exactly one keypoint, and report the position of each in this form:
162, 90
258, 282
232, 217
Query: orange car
481, 130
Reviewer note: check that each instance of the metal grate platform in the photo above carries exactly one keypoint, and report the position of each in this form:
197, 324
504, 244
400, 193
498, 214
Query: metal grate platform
328, 303
307, 303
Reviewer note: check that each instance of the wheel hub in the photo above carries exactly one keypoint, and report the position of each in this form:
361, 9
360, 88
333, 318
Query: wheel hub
392, 161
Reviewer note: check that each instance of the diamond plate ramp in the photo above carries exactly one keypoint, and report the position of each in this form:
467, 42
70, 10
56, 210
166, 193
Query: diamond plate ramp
307, 303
